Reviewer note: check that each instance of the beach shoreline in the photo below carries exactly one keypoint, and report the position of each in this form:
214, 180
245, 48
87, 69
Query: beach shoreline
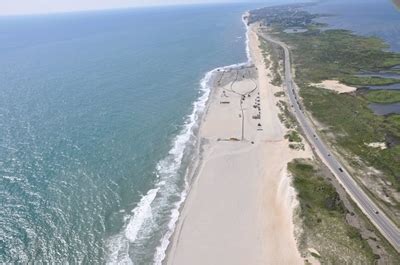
240, 206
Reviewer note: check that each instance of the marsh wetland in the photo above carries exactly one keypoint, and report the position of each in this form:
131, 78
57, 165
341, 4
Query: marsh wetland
362, 127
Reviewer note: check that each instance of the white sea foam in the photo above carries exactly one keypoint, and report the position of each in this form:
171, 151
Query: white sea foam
247, 40
118, 248
198, 108
178, 150
162, 248
157, 200
149, 205
119, 244
140, 214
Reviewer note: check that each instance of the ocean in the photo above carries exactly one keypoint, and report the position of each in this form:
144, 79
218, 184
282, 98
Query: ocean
98, 120
98, 113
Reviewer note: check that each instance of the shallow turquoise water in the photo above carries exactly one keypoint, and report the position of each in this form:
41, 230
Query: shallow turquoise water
96, 130
90, 103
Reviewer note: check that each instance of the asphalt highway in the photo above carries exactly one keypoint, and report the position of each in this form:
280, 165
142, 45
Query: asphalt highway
388, 229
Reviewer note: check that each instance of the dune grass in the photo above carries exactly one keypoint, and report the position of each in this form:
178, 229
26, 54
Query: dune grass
383, 96
323, 218
293, 137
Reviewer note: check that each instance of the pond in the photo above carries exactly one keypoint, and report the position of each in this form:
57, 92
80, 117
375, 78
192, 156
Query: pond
385, 87
381, 74
295, 30
385, 109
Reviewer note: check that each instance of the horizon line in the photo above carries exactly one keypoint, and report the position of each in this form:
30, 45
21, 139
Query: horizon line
89, 10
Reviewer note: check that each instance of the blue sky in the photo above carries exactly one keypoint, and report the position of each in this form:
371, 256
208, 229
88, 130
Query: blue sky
10, 7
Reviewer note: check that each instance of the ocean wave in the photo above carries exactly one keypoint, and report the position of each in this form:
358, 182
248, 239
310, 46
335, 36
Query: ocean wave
162, 248
157, 200
152, 208
140, 214
247, 40
199, 107
182, 140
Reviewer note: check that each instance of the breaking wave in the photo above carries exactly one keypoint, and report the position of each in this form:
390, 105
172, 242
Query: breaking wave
157, 212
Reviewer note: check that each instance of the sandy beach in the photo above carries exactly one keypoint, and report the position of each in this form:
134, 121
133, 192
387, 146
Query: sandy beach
240, 206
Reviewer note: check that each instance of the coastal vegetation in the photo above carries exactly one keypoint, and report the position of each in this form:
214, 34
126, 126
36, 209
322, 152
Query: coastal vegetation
295, 141
367, 144
350, 124
395, 120
345, 120
279, 94
339, 54
275, 56
278, 18
383, 96
368, 81
285, 116
321, 213
293, 137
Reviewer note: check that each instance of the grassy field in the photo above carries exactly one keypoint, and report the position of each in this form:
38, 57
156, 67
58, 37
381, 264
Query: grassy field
324, 219
319, 55
383, 96
394, 120
355, 125
338, 54
368, 81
